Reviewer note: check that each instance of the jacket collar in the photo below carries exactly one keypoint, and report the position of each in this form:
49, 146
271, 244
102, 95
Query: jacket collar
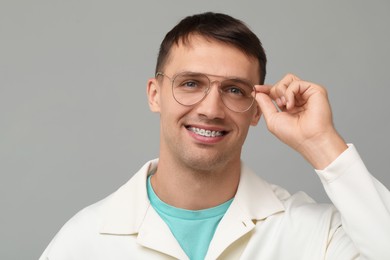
125, 210
255, 197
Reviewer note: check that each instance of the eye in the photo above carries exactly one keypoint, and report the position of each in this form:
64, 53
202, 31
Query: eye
189, 84
236, 88
235, 91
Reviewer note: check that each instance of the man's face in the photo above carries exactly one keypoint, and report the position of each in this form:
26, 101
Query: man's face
181, 139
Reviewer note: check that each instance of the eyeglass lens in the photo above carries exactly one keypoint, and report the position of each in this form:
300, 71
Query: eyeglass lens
190, 88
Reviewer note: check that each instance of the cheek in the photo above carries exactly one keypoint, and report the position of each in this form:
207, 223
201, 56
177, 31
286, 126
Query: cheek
171, 111
244, 121
167, 104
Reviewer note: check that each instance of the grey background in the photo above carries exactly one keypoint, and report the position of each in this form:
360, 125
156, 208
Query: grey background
74, 121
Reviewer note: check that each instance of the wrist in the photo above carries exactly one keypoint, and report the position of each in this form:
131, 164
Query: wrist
323, 150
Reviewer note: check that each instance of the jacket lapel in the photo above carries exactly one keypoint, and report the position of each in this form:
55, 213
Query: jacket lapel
255, 200
128, 212
155, 234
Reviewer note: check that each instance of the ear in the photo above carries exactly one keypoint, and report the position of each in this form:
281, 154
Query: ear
256, 116
153, 93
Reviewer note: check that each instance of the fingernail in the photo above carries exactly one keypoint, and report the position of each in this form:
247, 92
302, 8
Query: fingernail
279, 102
284, 100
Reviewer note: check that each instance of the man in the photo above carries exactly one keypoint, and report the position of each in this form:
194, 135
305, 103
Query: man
198, 200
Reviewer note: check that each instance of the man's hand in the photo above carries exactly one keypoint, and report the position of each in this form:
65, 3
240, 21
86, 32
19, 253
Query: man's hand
304, 121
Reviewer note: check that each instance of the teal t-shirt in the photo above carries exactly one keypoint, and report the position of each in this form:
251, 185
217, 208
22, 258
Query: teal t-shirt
193, 229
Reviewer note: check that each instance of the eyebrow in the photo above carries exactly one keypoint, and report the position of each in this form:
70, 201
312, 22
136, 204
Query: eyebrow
236, 78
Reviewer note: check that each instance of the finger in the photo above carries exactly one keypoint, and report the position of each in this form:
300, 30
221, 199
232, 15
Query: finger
266, 105
263, 88
299, 91
279, 91
290, 77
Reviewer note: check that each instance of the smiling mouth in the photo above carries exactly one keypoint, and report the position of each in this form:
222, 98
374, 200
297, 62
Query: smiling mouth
206, 132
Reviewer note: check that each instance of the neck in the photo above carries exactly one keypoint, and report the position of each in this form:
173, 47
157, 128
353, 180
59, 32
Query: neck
183, 187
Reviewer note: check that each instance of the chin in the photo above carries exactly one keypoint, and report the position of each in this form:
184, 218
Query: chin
206, 163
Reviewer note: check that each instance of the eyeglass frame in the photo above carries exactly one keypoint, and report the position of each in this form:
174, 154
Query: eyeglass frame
172, 79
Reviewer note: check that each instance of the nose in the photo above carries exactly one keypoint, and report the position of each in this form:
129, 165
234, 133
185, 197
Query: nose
212, 106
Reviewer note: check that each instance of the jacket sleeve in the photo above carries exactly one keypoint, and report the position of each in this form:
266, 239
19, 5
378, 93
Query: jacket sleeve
363, 203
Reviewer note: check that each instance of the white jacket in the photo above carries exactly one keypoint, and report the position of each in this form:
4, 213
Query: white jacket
263, 222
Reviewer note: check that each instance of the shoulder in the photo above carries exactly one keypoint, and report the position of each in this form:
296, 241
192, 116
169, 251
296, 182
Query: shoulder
304, 213
301, 203
86, 219
298, 207
83, 224
82, 235
76, 234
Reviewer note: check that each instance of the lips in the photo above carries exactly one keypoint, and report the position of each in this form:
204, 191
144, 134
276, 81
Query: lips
206, 132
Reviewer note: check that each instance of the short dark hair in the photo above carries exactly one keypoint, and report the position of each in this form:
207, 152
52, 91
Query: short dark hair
217, 26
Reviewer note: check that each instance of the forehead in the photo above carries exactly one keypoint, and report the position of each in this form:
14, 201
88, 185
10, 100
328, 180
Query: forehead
209, 56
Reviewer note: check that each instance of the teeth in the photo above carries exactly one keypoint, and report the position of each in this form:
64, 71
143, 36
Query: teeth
204, 132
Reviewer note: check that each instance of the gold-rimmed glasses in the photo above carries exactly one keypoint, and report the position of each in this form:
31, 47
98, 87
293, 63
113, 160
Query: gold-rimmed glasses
190, 88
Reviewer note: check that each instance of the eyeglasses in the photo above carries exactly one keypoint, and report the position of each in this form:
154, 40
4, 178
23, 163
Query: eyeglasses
190, 88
